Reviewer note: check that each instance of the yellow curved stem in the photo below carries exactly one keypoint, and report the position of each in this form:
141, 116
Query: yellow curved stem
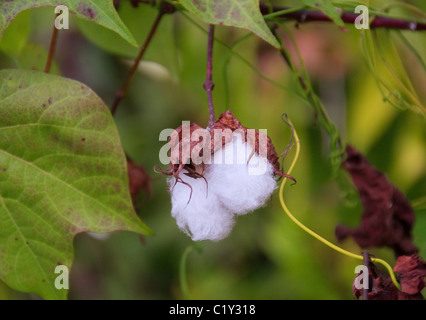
317, 236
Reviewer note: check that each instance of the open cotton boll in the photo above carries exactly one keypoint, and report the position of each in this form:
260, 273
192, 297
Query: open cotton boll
237, 181
243, 180
204, 217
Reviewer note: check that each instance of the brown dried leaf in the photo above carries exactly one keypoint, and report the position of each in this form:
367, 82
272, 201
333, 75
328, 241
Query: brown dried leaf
381, 287
388, 217
412, 271
138, 180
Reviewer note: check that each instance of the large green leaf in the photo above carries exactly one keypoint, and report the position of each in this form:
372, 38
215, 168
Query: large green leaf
62, 172
101, 12
235, 13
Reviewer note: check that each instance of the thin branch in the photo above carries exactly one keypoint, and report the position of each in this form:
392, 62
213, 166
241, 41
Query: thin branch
366, 261
121, 93
302, 16
52, 48
208, 84
233, 52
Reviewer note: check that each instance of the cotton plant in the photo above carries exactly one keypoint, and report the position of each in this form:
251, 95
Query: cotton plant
231, 171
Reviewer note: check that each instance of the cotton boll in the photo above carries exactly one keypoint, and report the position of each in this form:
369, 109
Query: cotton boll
203, 217
241, 185
237, 181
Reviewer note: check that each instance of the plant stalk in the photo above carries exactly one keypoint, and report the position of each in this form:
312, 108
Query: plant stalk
303, 16
52, 48
366, 261
122, 92
208, 84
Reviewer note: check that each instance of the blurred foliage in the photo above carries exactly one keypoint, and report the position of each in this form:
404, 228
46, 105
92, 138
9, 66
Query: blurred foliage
266, 256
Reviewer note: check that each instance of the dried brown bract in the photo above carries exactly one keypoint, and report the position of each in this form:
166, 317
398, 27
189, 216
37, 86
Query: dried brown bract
222, 133
388, 217
139, 180
411, 270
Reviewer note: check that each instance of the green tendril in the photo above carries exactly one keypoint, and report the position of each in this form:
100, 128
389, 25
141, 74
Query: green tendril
315, 235
182, 273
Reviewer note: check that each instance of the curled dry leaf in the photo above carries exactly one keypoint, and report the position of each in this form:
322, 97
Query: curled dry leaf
388, 217
411, 270
138, 180
380, 286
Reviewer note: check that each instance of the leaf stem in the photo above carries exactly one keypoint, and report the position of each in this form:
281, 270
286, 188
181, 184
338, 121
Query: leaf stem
52, 48
208, 84
232, 51
277, 13
122, 92
315, 235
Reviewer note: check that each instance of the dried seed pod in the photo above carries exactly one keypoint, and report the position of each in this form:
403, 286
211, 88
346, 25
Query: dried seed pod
138, 180
228, 121
221, 134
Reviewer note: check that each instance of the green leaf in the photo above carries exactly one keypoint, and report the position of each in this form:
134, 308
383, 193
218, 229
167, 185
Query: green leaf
33, 57
235, 13
15, 37
162, 48
99, 11
327, 8
62, 172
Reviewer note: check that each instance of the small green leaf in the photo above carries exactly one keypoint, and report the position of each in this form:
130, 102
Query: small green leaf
33, 57
62, 172
235, 13
327, 8
15, 37
101, 12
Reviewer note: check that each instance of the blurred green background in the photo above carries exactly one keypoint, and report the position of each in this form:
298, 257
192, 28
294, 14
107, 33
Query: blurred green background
266, 256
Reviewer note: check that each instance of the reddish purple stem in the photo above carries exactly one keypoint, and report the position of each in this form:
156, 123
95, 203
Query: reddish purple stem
121, 93
208, 84
52, 48
303, 16
366, 260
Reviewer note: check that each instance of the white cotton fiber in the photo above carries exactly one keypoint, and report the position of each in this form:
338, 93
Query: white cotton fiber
242, 185
203, 218
235, 187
